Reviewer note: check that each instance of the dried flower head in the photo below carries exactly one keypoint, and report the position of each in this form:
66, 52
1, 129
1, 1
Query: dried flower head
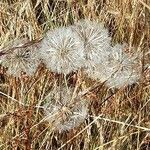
62, 50
63, 111
126, 68
117, 70
96, 41
20, 58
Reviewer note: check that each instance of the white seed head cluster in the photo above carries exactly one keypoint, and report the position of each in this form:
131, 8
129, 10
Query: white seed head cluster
64, 112
62, 50
21, 59
84, 45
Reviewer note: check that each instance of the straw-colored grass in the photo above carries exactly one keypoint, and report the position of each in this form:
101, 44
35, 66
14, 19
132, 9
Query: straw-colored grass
118, 120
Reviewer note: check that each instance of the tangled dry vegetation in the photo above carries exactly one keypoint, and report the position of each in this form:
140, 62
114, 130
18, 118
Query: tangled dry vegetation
118, 119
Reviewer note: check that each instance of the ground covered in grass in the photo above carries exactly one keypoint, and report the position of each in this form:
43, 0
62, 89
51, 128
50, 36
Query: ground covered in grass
118, 119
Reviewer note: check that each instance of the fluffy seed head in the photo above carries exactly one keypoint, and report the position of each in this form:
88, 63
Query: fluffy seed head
117, 70
127, 69
64, 112
62, 50
20, 59
96, 41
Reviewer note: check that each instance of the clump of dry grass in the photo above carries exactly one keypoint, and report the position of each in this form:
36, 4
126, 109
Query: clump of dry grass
119, 119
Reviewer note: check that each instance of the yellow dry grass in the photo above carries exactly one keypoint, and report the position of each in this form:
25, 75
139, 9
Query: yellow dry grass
120, 122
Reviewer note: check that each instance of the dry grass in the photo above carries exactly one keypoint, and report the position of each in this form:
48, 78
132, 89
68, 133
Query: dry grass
118, 120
